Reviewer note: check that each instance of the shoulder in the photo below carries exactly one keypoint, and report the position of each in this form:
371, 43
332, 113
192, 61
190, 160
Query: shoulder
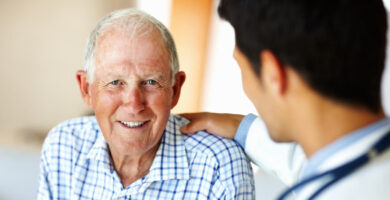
215, 146
83, 128
222, 159
71, 137
218, 149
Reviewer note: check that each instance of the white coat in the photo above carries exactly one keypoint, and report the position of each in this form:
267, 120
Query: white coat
286, 161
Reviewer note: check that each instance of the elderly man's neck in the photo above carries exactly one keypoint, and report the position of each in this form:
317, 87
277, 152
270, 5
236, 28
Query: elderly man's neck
131, 168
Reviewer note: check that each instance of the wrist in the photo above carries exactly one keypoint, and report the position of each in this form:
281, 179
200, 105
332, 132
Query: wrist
243, 129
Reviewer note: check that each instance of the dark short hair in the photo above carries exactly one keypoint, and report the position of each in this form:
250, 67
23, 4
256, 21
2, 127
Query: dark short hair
337, 46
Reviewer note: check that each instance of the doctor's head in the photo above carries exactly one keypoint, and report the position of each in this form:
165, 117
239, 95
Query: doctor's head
131, 80
294, 52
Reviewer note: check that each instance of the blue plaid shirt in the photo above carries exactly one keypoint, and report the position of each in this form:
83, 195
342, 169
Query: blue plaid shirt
75, 164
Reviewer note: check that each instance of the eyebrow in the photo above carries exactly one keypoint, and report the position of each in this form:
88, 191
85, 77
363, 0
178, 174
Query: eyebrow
158, 75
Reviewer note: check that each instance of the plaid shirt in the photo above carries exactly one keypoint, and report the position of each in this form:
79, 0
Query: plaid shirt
75, 164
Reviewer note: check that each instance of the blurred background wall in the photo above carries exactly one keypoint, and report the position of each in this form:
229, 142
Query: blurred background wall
41, 47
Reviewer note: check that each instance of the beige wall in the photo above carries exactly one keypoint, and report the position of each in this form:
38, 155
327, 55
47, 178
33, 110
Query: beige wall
41, 47
190, 24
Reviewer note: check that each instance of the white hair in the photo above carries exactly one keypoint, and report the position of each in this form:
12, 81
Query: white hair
135, 22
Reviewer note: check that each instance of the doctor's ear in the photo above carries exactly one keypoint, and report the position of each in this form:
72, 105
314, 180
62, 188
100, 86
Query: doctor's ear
180, 77
84, 85
272, 72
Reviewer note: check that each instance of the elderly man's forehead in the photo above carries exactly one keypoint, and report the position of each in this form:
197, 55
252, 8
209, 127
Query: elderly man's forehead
131, 32
148, 46
133, 27
119, 37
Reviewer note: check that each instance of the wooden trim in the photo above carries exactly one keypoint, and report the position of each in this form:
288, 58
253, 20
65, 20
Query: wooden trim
190, 23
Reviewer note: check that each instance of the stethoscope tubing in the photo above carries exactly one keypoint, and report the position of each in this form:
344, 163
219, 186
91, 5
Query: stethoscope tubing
342, 171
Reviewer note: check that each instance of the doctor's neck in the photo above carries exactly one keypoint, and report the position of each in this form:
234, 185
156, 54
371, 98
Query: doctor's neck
321, 121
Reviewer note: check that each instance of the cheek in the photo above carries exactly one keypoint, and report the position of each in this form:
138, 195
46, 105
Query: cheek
105, 102
254, 90
160, 102
248, 85
246, 78
245, 86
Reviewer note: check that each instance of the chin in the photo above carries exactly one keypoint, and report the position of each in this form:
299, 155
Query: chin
279, 137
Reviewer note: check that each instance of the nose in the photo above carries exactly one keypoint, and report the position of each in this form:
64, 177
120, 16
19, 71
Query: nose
134, 100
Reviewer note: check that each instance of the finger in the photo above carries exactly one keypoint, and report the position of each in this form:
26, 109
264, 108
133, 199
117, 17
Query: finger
189, 128
184, 129
192, 127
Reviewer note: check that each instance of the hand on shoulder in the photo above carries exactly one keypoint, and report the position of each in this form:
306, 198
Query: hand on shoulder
221, 124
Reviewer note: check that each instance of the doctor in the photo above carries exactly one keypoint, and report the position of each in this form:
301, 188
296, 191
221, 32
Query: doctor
312, 69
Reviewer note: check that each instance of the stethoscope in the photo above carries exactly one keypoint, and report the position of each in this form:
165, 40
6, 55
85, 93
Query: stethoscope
342, 171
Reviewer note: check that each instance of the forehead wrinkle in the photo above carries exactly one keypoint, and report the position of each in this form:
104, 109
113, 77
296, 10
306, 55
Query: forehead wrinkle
134, 34
116, 41
124, 72
153, 41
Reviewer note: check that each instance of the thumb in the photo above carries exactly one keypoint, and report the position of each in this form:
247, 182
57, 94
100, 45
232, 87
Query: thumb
185, 129
191, 127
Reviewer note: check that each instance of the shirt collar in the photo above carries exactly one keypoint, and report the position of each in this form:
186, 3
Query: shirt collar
321, 156
170, 162
100, 151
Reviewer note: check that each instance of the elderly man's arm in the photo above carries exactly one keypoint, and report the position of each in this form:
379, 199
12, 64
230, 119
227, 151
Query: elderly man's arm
46, 187
236, 175
54, 162
221, 165
44, 191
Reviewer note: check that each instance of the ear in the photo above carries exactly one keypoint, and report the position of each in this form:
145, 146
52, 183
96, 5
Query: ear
84, 85
272, 73
180, 77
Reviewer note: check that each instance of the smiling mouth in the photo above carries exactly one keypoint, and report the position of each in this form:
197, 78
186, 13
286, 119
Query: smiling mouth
133, 124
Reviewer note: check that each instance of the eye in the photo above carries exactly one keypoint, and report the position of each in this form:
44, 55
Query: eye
116, 82
150, 82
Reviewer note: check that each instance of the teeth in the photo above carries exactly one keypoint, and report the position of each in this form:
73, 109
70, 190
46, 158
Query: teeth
133, 124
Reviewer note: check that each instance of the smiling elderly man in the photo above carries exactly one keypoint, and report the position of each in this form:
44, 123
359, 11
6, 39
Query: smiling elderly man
133, 148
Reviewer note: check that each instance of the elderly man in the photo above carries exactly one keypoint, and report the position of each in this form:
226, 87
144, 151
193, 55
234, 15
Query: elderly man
133, 148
